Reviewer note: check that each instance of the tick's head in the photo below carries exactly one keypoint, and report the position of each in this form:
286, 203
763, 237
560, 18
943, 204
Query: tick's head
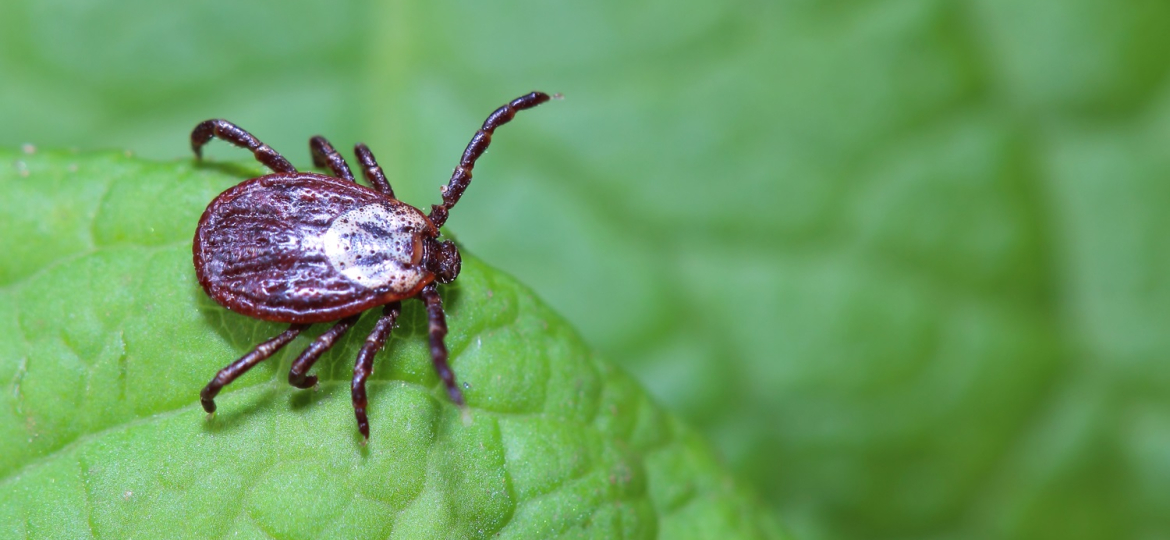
442, 259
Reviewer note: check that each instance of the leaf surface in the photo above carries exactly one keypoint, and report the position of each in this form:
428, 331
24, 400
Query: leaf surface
108, 339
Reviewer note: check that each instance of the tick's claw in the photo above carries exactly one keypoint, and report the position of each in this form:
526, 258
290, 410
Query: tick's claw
303, 382
363, 422
456, 396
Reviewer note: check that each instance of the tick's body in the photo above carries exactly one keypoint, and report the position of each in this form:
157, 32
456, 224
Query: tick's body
306, 248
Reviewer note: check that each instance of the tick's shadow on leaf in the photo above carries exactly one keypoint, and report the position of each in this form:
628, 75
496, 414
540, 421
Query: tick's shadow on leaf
302, 400
231, 417
243, 333
452, 295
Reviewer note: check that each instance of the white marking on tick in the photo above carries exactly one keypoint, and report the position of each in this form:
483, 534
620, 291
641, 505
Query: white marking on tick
375, 246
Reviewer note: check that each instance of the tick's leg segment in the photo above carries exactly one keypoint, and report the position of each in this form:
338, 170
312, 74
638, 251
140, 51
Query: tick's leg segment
304, 362
479, 142
246, 362
325, 156
372, 171
365, 363
438, 331
234, 134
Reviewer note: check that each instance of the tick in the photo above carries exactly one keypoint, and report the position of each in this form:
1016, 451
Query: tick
304, 248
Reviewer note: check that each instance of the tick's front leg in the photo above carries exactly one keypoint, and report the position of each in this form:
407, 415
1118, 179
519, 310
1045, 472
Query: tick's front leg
438, 331
461, 178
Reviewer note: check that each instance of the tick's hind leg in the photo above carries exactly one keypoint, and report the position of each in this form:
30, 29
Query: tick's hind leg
438, 331
246, 362
234, 134
325, 155
304, 362
372, 171
365, 363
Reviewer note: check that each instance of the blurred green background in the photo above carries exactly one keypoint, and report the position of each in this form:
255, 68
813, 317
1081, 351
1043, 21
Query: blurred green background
905, 262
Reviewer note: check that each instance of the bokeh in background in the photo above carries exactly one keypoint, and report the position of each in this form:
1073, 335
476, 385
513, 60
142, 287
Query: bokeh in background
907, 262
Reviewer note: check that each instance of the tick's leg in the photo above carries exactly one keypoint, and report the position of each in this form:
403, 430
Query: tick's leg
234, 134
372, 171
365, 363
304, 362
325, 155
479, 142
246, 362
438, 331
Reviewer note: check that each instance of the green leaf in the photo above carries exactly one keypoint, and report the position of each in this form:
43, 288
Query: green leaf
107, 339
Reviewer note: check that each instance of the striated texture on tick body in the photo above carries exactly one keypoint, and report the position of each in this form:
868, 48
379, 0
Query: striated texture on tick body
303, 248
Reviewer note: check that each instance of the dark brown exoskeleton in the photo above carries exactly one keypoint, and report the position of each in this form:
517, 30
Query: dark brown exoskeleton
304, 248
